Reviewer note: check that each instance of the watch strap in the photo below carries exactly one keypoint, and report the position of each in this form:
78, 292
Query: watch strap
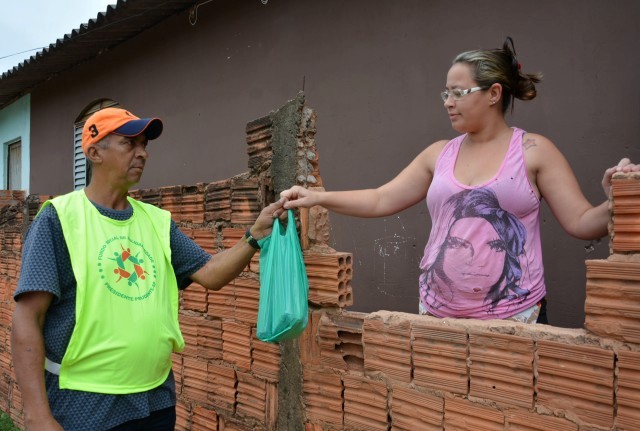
251, 240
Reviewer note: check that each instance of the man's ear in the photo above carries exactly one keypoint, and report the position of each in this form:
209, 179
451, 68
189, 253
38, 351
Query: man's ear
93, 154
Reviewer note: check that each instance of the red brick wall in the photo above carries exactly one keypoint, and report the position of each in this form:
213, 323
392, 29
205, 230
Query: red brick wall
378, 371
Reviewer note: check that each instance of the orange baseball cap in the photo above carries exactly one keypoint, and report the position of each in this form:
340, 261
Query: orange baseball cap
119, 122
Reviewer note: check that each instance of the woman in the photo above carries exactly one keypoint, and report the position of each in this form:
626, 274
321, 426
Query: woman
517, 167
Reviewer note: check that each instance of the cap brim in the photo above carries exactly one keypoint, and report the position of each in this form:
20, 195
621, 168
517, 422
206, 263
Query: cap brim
151, 127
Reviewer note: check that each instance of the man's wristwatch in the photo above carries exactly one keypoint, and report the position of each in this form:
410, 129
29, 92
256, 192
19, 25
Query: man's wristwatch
251, 240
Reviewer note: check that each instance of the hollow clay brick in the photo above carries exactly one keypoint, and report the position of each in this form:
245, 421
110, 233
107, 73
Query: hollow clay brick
247, 296
265, 358
151, 196
189, 329
387, 349
271, 410
612, 306
252, 397
340, 340
227, 424
222, 303
183, 416
318, 226
194, 298
176, 366
413, 410
236, 344
322, 397
578, 379
309, 341
192, 204
207, 239
217, 202
6, 313
525, 421
170, 200
259, 142
628, 393
194, 377
365, 403
222, 387
463, 415
625, 226
204, 419
312, 427
439, 356
245, 207
231, 235
501, 368
5, 394
188, 231
329, 278
209, 338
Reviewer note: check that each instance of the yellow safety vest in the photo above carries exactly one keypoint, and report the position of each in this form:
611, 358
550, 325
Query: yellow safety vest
126, 300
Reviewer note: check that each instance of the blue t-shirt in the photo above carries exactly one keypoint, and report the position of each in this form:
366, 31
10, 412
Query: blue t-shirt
46, 267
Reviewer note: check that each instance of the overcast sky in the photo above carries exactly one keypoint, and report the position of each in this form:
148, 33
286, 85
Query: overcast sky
29, 24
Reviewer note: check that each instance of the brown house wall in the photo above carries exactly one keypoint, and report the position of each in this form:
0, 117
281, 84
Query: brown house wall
372, 70
378, 371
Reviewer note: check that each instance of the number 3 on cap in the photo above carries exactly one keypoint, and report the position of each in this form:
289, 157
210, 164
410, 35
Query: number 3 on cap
94, 130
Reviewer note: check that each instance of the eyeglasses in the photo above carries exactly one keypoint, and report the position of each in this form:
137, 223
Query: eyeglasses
458, 94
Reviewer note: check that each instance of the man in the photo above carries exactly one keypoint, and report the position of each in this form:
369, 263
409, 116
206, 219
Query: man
97, 299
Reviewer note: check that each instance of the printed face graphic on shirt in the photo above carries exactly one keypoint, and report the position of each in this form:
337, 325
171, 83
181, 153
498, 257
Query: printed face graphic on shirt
476, 255
473, 264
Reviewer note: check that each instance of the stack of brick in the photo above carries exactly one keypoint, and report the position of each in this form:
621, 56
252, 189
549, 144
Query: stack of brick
613, 294
226, 377
13, 221
406, 372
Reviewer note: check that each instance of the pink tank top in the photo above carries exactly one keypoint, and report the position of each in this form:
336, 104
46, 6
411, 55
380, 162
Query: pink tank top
483, 259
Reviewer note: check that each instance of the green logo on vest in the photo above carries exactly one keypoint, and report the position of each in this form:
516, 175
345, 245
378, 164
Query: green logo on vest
131, 271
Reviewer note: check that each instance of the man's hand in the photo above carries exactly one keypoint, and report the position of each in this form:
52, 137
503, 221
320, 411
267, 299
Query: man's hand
264, 223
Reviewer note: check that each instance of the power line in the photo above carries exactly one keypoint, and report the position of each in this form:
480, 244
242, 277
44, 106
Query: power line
22, 52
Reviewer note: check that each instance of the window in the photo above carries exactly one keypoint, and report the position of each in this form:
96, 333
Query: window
81, 174
82, 169
14, 165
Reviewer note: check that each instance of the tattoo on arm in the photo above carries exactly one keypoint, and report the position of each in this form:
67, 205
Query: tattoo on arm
529, 143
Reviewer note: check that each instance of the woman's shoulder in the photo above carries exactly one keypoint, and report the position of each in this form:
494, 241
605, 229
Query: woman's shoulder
438, 146
431, 154
530, 140
539, 150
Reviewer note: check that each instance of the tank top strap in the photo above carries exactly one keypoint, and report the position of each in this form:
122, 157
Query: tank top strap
447, 158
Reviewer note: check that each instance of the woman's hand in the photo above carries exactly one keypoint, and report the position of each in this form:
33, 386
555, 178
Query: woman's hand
297, 197
624, 166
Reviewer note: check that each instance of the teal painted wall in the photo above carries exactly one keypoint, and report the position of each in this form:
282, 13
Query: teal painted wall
15, 122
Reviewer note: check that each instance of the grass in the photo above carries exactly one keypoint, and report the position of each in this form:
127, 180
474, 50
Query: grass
6, 424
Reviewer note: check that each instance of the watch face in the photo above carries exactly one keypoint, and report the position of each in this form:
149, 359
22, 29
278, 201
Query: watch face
251, 240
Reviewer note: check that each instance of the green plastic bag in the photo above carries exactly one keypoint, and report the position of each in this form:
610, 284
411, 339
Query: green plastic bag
284, 287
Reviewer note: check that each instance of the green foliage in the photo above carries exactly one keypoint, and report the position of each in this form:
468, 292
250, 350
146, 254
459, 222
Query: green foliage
6, 424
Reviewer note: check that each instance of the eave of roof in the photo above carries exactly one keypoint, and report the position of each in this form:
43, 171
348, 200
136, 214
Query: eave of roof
118, 23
